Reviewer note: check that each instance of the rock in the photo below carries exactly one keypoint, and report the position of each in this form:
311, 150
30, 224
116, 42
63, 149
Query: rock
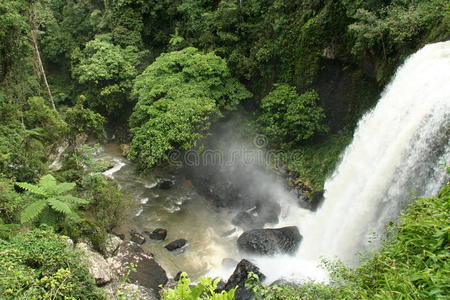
124, 148
112, 244
268, 211
316, 200
229, 263
158, 234
118, 233
165, 184
126, 290
270, 241
283, 282
96, 264
228, 232
148, 272
178, 276
246, 221
239, 277
137, 237
175, 244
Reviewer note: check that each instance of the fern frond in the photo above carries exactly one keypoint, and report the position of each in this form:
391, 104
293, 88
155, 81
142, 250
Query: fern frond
49, 217
32, 211
73, 200
62, 188
59, 206
31, 188
47, 182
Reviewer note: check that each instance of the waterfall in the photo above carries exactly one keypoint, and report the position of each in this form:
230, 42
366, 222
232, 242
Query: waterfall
399, 151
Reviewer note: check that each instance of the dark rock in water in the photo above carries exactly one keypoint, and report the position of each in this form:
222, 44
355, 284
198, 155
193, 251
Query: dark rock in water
270, 241
178, 276
148, 272
118, 233
268, 211
239, 277
246, 221
165, 184
228, 233
316, 200
229, 263
175, 244
137, 237
158, 234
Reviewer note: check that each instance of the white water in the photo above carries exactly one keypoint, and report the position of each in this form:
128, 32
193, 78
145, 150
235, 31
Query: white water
400, 149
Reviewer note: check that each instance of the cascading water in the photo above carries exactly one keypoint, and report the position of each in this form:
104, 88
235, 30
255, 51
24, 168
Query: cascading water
400, 150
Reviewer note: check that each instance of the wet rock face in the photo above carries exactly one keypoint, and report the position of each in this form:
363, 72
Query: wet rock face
239, 277
177, 244
148, 273
270, 241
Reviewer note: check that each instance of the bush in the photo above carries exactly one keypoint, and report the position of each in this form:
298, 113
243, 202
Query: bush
39, 265
178, 95
289, 118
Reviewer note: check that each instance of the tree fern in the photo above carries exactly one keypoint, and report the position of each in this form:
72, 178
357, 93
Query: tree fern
32, 211
51, 199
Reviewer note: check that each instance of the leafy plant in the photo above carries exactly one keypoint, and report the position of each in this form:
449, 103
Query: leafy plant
290, 118
39, 265
178, 97
50, 201
206, 289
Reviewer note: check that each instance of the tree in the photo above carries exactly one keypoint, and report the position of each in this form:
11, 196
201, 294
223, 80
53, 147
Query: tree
50, 201
288, 117
178, 95
106, 72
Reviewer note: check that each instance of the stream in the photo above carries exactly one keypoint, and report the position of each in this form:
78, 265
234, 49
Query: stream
180, 210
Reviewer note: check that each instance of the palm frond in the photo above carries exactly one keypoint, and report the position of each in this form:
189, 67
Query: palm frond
32, 211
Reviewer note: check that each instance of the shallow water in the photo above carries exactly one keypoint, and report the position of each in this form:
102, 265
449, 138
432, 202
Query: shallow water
180, 210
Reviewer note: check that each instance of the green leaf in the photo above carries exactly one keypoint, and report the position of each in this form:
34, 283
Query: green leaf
31, 188
60, 206
63, 188
32, 211
47, 181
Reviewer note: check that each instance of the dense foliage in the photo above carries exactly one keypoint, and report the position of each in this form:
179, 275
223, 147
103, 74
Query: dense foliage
206, 289
287, 117
178, 96
39, 265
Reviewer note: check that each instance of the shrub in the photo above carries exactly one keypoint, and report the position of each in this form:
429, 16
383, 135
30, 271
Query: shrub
206, 289
289, 118
39, 265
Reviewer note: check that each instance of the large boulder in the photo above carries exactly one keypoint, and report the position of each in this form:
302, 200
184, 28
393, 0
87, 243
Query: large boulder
148, 273
238, 278
96, 264
270, 241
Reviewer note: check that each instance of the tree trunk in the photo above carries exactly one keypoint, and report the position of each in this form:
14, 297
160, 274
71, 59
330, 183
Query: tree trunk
37, 54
